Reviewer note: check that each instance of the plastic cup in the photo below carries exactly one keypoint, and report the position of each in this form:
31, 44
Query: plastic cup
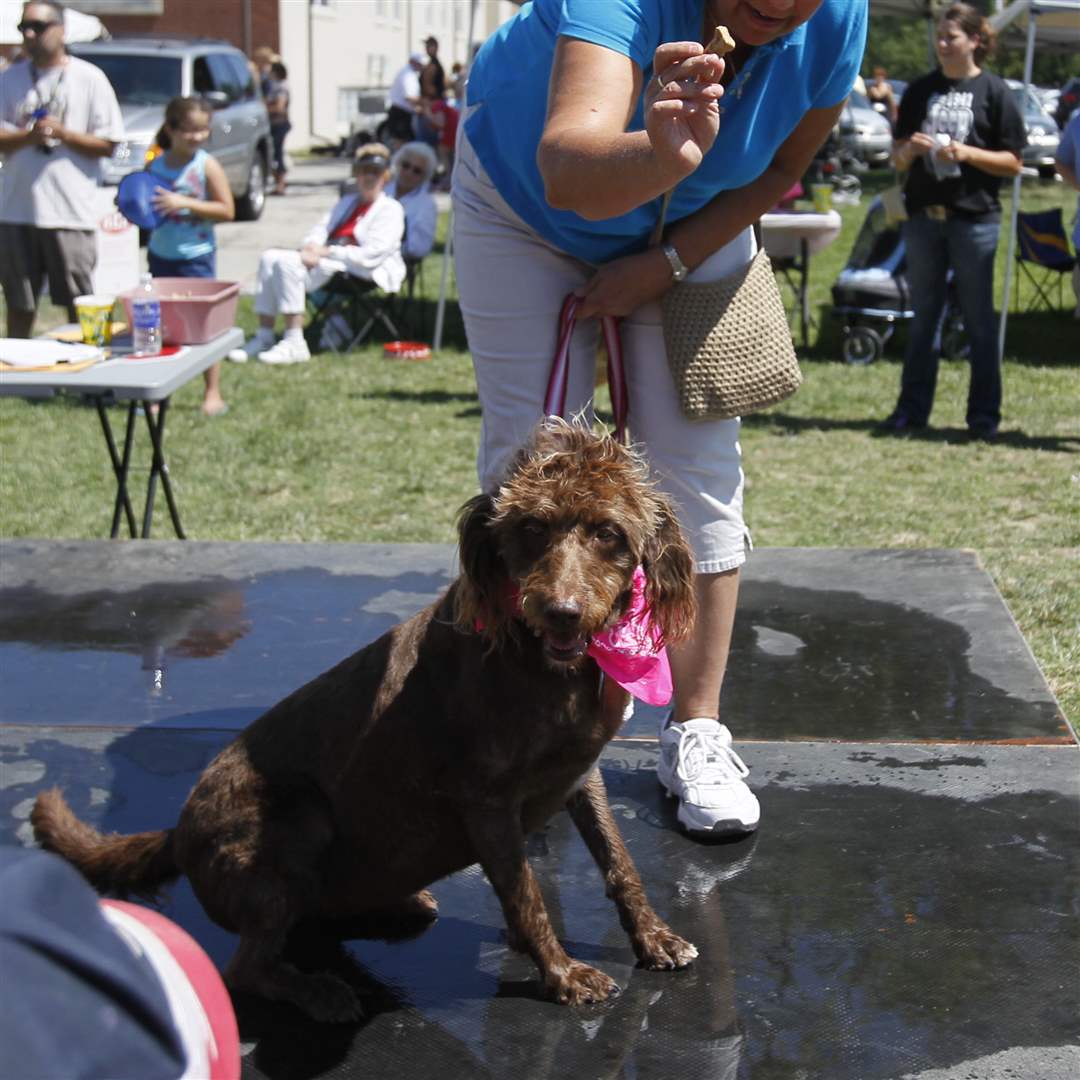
822, 196
95, 318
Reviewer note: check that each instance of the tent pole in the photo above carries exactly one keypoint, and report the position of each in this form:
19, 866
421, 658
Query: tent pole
448, 247
1029, 59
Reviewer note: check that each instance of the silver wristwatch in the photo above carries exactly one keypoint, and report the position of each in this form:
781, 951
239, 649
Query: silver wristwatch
678, 267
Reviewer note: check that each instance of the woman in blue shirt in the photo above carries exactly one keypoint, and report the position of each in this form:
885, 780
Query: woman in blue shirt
580, 116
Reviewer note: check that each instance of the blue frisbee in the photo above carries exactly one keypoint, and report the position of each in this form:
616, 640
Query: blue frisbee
133, 199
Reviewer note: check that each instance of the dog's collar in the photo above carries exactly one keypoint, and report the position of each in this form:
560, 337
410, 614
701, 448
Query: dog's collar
631, 652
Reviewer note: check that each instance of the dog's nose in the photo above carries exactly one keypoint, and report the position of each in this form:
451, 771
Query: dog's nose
564, 614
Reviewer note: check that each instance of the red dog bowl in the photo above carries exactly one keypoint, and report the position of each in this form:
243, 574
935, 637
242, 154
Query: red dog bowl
406, 350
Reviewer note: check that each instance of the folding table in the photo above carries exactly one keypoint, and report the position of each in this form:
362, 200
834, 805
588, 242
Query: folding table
790, 238
139, 382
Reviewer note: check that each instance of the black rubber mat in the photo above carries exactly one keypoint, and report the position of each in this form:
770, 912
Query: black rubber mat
908, 907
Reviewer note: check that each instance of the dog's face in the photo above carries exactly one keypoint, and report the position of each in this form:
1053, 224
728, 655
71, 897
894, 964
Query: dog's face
557, 545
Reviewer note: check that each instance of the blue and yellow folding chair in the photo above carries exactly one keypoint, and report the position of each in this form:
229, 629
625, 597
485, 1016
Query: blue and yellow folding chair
1042, 255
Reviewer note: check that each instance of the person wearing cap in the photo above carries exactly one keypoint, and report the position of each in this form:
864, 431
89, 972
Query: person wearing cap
404, 99
360, 236
58, 118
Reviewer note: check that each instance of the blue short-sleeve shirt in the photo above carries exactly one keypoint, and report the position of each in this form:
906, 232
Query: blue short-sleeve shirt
813, 67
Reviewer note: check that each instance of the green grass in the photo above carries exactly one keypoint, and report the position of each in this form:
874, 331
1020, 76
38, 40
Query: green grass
359, 448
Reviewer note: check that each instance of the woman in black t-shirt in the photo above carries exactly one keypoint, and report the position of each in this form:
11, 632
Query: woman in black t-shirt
958, 134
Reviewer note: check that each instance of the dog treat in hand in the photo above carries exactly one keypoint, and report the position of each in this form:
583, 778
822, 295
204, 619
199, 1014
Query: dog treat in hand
722, 42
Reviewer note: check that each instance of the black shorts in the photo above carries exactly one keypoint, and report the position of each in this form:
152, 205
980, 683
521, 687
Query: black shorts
29, 254
399, 122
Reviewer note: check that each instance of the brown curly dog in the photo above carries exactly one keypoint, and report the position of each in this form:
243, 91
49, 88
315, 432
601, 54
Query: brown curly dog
440, 745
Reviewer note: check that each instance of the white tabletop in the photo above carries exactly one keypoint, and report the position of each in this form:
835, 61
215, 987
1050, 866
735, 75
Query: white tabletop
124, 378
783, 231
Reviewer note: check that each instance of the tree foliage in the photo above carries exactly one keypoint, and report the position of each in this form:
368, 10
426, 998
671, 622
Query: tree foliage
902, 47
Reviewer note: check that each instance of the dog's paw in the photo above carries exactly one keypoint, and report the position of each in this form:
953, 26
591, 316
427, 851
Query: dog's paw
328, 999
579, 984
660, 949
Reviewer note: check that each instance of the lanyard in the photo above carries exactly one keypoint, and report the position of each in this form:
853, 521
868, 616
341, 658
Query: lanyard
37, 76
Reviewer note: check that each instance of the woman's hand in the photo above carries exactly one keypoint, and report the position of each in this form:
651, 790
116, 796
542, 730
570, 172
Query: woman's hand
920, 144
310, 255
955, 151
623, 285
681, 112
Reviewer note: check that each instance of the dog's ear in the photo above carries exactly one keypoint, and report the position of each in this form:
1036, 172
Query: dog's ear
669, 569
476, 600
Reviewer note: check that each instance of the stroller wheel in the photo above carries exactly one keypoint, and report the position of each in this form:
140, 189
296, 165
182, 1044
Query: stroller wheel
862, 345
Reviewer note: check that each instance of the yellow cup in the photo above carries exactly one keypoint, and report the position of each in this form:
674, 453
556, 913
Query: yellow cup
822, 196
95, 318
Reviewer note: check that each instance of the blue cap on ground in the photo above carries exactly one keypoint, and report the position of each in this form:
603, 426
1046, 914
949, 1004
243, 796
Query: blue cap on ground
134, 199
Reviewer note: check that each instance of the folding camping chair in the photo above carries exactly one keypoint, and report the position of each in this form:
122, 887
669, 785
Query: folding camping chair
343, 313
1042, 254
408, 311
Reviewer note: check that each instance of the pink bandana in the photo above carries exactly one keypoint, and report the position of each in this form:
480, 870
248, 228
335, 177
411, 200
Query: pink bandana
632, 651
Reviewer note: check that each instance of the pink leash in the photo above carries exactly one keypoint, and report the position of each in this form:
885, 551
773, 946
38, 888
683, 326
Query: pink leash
555, 397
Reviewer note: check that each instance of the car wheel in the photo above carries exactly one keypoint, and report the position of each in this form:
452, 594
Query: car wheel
249, 206
862, 345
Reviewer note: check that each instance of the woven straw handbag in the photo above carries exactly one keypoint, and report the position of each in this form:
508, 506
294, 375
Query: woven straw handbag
728, 344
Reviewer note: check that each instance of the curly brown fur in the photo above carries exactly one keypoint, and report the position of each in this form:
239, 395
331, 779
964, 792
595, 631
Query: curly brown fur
437, 746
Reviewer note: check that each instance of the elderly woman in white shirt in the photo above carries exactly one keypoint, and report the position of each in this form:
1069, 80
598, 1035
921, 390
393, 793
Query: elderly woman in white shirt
414, 166
361, 236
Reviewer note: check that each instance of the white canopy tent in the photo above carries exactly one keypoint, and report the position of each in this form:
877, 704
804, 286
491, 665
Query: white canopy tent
1048, 23
77, 25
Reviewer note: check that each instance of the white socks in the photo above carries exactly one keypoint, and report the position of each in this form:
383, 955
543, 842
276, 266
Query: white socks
296, 333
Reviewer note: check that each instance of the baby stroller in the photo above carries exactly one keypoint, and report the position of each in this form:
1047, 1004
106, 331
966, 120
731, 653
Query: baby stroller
871, 294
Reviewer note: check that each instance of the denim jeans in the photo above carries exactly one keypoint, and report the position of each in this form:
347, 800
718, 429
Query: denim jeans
967, 248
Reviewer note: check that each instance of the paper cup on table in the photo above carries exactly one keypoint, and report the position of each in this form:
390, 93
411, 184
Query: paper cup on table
95, 318
822, 196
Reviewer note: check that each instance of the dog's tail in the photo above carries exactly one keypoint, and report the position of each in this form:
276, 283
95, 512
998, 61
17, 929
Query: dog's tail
138, 864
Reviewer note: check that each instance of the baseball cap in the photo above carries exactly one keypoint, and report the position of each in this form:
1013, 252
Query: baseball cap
417, 58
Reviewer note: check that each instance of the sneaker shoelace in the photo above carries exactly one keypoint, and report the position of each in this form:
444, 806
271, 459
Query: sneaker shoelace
705, 755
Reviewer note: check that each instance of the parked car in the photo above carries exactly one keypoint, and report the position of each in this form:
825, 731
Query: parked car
367, 119
864, 133
1043, 135
1048, 97
1068, 100
146, 72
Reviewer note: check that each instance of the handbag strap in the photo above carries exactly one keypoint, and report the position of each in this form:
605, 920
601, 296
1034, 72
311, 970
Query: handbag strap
558, 379
658, 229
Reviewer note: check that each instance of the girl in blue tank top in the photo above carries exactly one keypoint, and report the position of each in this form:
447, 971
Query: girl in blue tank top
194, 193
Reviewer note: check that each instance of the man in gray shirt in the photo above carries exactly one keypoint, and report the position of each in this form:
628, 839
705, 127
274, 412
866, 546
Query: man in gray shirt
58, 117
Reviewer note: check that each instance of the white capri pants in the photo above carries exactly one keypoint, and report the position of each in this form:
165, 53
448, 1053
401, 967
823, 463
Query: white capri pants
512, 284
282, 281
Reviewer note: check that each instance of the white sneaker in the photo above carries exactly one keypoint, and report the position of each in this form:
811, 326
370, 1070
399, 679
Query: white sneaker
287, 351
252, 347
699, 768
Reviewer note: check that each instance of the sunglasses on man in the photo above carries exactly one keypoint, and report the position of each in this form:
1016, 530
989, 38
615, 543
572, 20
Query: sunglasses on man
38, 26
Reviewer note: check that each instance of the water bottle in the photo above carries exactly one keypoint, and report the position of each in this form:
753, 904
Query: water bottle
943, 168
145, 319
49, 145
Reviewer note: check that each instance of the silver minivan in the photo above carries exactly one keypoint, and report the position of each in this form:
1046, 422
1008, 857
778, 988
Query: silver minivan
146, 72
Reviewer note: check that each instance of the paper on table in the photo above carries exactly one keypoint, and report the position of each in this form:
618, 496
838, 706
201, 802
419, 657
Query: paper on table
36, 352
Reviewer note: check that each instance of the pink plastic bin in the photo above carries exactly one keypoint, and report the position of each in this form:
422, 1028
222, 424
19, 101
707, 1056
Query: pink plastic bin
193, 310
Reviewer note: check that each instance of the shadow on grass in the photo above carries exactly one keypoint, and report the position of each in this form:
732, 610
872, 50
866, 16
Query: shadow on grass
1032, 339
1016, 440
421, 397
